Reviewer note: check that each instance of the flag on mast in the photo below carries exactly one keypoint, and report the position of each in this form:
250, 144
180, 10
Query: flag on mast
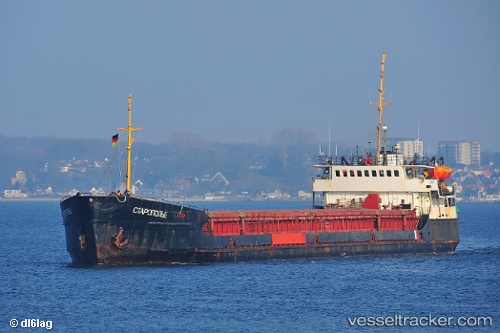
114, 140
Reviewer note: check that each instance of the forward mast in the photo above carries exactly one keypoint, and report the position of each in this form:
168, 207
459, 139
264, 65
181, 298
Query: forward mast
130, 141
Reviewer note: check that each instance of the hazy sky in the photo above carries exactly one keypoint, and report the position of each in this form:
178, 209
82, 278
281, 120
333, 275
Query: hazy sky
239, 71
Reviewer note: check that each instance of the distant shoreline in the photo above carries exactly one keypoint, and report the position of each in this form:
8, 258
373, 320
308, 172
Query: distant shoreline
30, 199
197, 199
186, 199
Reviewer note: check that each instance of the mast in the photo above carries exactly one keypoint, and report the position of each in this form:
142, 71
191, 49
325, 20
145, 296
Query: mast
380, 104
130, 140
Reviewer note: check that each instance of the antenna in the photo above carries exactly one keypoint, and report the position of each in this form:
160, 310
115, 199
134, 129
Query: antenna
329, 139
418, 128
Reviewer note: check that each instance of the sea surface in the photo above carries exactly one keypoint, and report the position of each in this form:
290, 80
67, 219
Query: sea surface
37, 282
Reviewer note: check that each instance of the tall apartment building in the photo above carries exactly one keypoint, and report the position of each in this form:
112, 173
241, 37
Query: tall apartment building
411, 148
460, 152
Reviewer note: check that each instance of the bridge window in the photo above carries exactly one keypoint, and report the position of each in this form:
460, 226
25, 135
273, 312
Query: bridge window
381, 172
389, 173
351, 173
337, 173
396, 173
344, 172
367, 173
360, 174
374, 173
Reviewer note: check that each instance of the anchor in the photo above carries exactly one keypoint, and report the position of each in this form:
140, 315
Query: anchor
83, 242
116, 239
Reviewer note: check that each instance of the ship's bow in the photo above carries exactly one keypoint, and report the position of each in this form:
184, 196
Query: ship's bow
80, 238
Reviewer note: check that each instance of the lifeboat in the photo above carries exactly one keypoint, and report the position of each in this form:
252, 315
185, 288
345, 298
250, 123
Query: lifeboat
440, 172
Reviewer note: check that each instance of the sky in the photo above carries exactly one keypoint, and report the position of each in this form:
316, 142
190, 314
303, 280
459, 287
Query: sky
240, 71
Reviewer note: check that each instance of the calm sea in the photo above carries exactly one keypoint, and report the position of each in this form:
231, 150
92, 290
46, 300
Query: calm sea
37, 282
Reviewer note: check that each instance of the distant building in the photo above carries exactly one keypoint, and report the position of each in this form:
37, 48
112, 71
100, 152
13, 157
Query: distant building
14, 194
460, 152
302, 195
217, 178
20, 178
411, 148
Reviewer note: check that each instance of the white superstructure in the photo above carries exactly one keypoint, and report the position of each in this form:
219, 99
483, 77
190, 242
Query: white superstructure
397, 186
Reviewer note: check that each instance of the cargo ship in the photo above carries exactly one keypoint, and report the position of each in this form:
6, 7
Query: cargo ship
364, 206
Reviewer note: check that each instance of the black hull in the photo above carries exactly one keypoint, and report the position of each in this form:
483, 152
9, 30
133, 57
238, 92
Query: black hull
267, 253
127, 230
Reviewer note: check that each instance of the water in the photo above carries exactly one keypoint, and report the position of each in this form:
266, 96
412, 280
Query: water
37, 282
